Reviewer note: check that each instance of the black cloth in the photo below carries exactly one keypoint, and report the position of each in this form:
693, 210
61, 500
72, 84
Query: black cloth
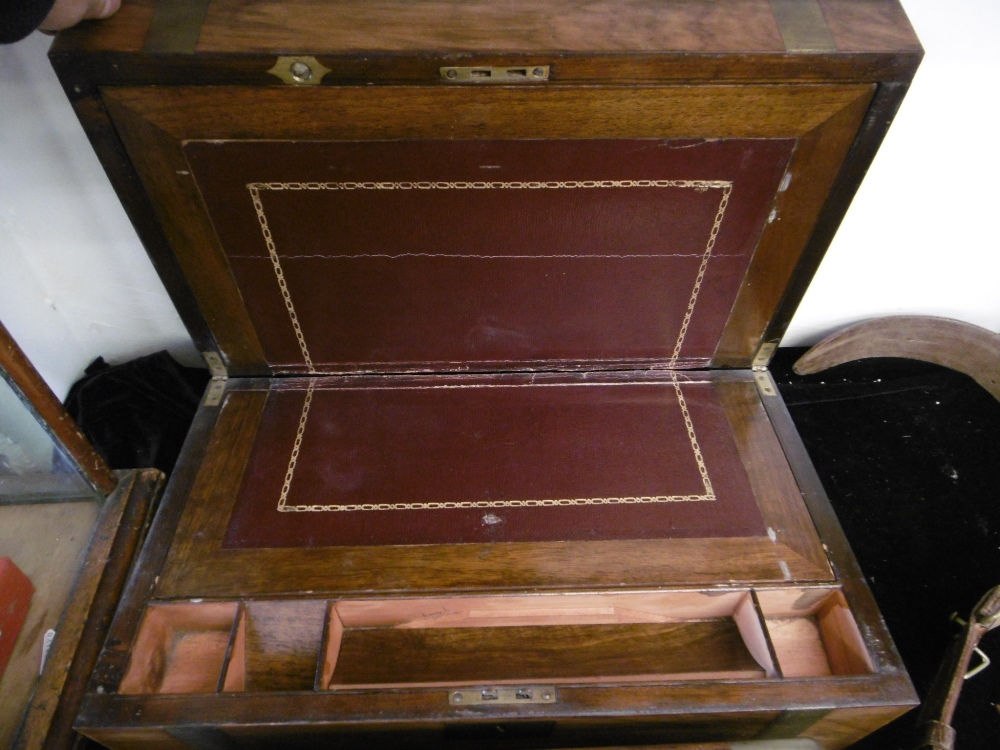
909, 454
137, 414
18, 18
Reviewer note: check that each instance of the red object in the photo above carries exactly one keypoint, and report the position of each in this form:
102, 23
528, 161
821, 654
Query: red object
15, 597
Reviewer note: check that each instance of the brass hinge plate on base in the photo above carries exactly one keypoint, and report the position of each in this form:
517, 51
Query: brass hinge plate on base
765, 385
503, 696
217, 386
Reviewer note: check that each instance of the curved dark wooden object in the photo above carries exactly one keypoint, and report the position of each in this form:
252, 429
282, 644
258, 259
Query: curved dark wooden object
25, 378
960, 346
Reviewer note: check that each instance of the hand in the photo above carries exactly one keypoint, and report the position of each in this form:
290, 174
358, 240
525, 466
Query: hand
66, 13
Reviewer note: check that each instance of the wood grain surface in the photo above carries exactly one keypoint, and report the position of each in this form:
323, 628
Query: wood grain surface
283, 644
697, 650
774, 483
198, 565
869, 25
506, 112
780, 253
663, 712
634, 26
530, 26
155, 122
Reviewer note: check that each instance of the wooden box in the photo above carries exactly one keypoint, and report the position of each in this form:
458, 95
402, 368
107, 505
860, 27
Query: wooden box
492, 454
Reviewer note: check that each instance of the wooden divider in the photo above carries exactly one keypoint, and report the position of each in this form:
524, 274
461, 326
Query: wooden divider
320, 645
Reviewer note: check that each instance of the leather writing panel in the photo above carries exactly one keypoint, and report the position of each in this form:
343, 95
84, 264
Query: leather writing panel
425, 460
488, 255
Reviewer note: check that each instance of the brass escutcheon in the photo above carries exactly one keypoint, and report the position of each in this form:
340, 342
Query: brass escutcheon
299, 71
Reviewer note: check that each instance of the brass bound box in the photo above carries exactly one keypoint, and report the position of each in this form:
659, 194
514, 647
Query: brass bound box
489, 291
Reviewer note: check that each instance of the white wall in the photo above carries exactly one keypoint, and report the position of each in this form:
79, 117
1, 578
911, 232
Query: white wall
75, 282
920, 237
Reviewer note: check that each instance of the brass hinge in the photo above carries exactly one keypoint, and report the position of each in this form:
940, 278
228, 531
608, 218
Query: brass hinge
759, 366
763, 357
217, 386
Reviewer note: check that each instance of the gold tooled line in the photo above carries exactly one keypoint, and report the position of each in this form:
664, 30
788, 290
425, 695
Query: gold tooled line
709, 495
296, 446
280, 275
693, 439
696, 289
478, 504
700, 185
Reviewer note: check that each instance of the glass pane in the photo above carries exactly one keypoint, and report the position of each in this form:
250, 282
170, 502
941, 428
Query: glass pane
33, 467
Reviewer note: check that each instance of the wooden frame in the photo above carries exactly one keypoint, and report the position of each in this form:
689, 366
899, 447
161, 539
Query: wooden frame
154, 125
37, 396
198, 565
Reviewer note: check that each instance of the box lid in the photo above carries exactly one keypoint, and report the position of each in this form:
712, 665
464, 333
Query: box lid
651, 186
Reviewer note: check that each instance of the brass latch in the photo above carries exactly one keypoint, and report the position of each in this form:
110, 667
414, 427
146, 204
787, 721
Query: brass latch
502, 696
496, 74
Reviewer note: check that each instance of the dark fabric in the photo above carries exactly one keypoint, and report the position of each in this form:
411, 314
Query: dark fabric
909, 454
137, 414
18, 18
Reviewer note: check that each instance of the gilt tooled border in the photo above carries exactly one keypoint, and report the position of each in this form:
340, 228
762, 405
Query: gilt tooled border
699, 185
255, 189
284, 507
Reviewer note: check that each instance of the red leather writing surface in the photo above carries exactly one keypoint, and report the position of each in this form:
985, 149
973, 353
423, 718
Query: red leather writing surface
15, 598
488, 255
462, 459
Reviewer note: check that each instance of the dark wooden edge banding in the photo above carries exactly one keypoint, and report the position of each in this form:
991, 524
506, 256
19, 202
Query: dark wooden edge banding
881, 112
143, 576
856, 591
176, 26
427, 708
803, 26
25, 381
